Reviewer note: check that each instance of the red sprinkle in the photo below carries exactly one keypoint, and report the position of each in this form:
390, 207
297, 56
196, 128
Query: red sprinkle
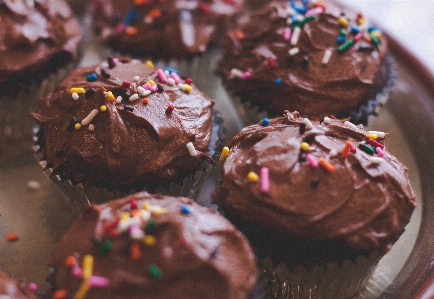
182, 241
271, 62
375, 143
169, 109
134, 205
189, 81
126, 84
204, 7
12, 237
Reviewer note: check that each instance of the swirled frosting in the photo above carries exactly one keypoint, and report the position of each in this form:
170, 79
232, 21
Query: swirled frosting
326, 183
277, 68
181, 250
12, 289
163, 29
35, 34
107, 126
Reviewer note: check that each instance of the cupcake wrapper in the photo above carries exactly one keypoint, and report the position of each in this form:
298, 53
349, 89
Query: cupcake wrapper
79, 196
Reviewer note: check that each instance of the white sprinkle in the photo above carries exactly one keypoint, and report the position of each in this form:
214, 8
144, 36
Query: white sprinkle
30, 3
308, 123
136, 79
326, 57
327, 120
148, 19
91, 127
33, 185
295, 35
167, 73
236, 73
375, 160
134, 97
146, 92
191, 149
89, 117
293, 51
136, 234
182, 86
118, 100
75, 96
140, 89
333, 153
171, 81
378, 133
350, 125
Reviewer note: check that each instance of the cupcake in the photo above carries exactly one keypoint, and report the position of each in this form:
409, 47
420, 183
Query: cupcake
320, 202
124, 126
310, 57
13, 289
153, 246
39, 43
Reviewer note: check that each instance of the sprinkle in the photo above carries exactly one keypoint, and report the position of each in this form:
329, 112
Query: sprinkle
149, 64
140, 89
278, 81
333, 153
236, 73
149, 240
327, 165
77, 90
308, 123
188, 88
152, 223
32, 287
145, 92
135, 252
87, 265
182, 241
75, 96
82, 291
313, 162
98, 281
175, 77
90, 92
378, 133
293, 51
185, 209
380, 152
91, 78
239, 35
265, 179
375, 160
154, 271
327, 120
87, 120
346, 149
77, 126
131, 30
119, 100
105, 74
110, 96
191, 149
70, 261
134, 97
224, 154
105, 247
60, 294
204, 7
265, 122
126, 84
128, 108
343, 21
345, 46
71, 125
376, 33
366, 148
155, 13
253, 177
374, 40
358, 37
295, 35
169, 109
327, 56
271, 62
161, 76
136, 78
11, 237
77, 271
111, 62
246, 75
171, 81
375, 143
188, 81
350, 125
145, 100
302, 128
287, 33
314, 11
103, 108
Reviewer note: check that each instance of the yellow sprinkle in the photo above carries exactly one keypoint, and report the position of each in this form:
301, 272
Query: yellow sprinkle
82, 291
103, 108
77, 126
188, 88
125, 215
343, 21
158, 211
149, 64
77, 90
376, 33
151, 82
110, 95
145, 205
373, 136
360, 21
253, 176
87, 266
224, 154
149, 240
304, 146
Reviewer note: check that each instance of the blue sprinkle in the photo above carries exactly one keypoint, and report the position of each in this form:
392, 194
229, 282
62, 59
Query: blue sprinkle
265, 122
278, 81
185, 209
355, 30
171, 70
131, 16
294, 18
372, 28
91, 78
341, 39
300, 10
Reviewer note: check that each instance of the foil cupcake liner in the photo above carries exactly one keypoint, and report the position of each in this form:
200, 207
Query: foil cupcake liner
79, 196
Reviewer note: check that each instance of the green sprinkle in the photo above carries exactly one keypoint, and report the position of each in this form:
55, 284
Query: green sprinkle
154, 271
106, 247
152, 223
367, 149
345, 46
375, 40
343, 32
305, 20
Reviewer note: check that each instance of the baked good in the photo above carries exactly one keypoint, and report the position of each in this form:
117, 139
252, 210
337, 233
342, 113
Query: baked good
162, 29
326, 192
154, 246
13, 289
125, 125
316, 58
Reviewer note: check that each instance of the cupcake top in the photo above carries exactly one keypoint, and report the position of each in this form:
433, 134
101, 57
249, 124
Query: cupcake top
124, 124
154, 246
33, 33
329, 181
12, 289
312, 58
169, 29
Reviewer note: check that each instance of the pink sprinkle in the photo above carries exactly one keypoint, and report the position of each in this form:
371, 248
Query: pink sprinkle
175, 77
115, 61
358, 36
312, 160
246, 75
120, 27
147, 86
154, 88
287, 33
32, 287
98, 281
379, 151
161, 76
314, 11
76, 271
265, 179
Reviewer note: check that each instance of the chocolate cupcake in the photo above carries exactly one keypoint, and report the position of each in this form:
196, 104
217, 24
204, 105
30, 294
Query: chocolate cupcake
124, 126
321, 202
153, 246
13, 289
318, 59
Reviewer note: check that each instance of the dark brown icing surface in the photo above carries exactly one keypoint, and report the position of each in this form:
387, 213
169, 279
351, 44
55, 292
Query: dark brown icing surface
361, 203
307, 85
169, 29
34, 33
198, 253
134, 144
12, 289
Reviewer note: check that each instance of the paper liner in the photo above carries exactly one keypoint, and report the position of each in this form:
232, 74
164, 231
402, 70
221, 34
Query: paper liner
80, 196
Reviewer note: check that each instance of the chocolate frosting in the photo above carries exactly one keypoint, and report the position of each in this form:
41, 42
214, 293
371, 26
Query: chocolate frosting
365, 201
194, 252
34, 33
276, 80
12, 289
169, 29
134, 144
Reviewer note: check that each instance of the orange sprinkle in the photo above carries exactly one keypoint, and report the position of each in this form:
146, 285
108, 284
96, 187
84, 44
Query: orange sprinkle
367, 38
327, 165
346, 149
60, 294
240, 35
139, 2
131, 30
12, 237
319, 4
145, 100
70, 261
155, 13
135, 251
